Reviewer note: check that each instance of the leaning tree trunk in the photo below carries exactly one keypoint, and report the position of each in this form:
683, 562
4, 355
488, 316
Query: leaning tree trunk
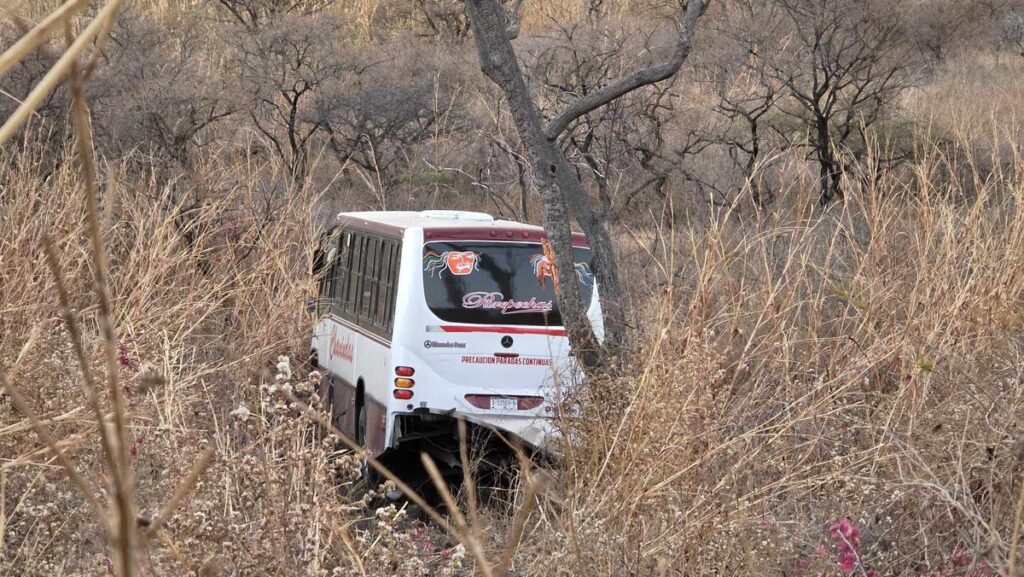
499, 63
561, 192
604, 261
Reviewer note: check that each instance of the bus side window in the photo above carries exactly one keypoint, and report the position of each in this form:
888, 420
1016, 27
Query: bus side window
362, 284
393, 284
369, 289
378, 297
389, 304
326, 273
328, 278
386, 308
380, 311
341, 280
355, 276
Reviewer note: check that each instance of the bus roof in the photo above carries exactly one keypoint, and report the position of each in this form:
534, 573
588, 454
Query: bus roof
448, 225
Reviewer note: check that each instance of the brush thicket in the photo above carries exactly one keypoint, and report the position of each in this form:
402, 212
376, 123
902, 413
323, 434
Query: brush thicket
799, 374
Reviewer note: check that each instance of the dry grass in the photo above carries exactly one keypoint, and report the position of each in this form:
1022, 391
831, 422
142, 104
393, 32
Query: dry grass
864, 364
794, 368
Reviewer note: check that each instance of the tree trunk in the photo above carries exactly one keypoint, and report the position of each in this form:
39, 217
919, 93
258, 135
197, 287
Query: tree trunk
550, 171
828, 173
604, 262
524, 191
561, 192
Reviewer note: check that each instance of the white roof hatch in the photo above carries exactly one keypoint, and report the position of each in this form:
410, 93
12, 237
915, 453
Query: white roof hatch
458, 215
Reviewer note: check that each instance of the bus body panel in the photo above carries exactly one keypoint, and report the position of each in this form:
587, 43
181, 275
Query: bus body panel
352, 356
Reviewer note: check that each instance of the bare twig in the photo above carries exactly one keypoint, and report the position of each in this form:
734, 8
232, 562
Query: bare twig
465, 532
1018, 519
182, 489
39, 34
71, 323
633, 80
533, 489
118, 459
44, 434
377, 466
57, 73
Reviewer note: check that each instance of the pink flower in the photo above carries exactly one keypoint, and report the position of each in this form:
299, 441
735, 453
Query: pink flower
232, 228
847, 562
983, 570
845, 535
960, 558
134, 448
124, 358
873, 573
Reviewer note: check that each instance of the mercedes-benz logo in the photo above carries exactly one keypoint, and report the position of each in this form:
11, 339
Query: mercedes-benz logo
506, 341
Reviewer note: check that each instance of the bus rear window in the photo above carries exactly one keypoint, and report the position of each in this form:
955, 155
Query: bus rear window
497, 282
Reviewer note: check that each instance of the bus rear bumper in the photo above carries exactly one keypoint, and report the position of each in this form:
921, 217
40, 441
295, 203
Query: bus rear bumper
535, 432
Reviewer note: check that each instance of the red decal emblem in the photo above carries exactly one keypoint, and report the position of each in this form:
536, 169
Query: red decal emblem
461, 263
544, 268
341, 348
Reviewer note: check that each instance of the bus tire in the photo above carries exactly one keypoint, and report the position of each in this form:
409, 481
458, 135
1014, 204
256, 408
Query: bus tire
360, 432
368, 475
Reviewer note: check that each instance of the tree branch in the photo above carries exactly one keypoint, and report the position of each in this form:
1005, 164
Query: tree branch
512, 19
634, 80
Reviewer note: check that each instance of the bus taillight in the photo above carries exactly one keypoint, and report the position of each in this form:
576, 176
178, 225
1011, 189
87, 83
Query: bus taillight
405, 371
402, 394
404, 383
527, 403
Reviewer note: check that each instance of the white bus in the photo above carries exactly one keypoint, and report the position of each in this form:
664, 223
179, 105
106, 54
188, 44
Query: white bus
428, 317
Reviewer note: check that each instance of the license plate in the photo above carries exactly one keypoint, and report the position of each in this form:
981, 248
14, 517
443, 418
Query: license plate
500, 404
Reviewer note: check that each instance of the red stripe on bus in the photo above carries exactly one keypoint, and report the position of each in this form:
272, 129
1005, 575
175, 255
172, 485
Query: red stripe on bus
496, 233
503, 330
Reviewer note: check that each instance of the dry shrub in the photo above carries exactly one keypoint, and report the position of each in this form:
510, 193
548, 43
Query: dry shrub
830, 393
810, 392
813, 392
209, 292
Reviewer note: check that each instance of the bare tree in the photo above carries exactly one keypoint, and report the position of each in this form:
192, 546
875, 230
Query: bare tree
157, 95
745, 102
445, 19
375, 126
18, 82
624, 140
561, 191
254, 14
844, 64
747, 95
1013, 32
283, 66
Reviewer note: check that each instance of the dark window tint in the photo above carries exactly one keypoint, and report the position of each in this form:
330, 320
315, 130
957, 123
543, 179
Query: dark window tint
369, 286
355, 276
328, 270
344, 266
496, 282
360, 285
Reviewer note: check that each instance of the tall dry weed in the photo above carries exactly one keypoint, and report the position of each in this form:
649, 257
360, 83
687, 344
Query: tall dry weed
813, 392
832, 392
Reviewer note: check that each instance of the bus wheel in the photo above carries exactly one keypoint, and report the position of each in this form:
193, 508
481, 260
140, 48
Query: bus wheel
360, 424
369, 476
